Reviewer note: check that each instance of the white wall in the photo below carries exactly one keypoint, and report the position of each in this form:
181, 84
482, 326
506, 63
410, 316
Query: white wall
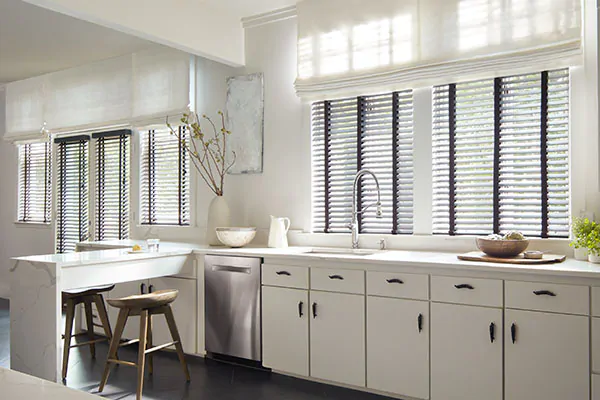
283, 189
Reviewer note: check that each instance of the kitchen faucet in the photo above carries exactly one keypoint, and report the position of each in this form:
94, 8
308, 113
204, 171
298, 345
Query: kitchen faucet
379, 213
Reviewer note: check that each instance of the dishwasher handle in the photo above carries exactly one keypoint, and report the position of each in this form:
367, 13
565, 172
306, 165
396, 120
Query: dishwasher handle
231, 268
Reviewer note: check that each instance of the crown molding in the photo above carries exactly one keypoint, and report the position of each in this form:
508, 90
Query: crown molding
269, 17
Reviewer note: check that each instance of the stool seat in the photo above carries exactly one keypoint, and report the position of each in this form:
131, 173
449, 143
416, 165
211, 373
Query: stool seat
87, 291
145, 301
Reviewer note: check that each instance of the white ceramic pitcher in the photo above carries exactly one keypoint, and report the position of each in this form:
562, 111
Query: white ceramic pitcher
278, 231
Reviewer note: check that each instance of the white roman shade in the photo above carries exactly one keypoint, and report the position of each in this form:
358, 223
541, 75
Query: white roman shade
161, 83
25, 109
91, 95
136, 87
349, 47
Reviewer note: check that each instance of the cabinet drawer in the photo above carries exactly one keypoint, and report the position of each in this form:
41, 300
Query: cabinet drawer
479, 292
389, 284
551, 297
596, 301
337, 280
596, 346
285, 276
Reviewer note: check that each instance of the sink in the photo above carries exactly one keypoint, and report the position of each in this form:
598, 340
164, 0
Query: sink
341, 252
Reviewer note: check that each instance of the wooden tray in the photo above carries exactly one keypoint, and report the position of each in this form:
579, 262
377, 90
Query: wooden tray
479, 256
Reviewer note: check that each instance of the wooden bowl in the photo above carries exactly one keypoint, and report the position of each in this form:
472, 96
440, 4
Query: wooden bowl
502, 248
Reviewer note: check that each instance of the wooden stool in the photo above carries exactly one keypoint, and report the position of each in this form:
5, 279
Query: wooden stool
87, 296
145, 305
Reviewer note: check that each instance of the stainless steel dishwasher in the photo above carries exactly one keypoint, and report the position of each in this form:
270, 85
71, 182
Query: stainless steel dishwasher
232, 306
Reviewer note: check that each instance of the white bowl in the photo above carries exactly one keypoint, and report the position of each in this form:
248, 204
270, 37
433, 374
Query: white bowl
235, 237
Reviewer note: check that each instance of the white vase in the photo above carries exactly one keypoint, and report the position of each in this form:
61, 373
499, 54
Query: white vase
594, 258
218, 216
581, 254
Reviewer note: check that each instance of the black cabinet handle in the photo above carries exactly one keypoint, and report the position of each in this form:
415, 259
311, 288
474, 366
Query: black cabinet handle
150, 288
492, 332
513, 332
300, 306
464, 286
283, 273
143, 288
395, 280
420, 322
544, 293
314, 307
341, 278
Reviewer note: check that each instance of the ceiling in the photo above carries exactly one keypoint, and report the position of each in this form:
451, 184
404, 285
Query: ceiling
35, 41
246, 8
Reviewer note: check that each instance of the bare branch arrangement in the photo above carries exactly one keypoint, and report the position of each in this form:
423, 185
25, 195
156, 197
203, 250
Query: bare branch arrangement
207, 152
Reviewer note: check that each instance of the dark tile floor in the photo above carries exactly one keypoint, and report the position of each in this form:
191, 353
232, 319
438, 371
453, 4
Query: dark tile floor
210, 379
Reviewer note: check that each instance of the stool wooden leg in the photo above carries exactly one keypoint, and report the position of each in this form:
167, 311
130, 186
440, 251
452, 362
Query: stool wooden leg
90, 324
149, 346
114, 345
142, 352
99, 301
68, 333
175, 335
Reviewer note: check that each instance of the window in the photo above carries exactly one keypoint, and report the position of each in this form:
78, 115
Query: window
164, 178
367, 132
72, 211
500, 156
112, 185
35, 183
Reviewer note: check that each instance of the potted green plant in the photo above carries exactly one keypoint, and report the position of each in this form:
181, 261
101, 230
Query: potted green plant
581, 228
593, 244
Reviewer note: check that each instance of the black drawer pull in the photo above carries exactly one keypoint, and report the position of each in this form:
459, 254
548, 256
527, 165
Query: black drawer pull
143, 288
544, 293
513, 332
283, 273
464, 286
395, 280
492, 332
314, 307
341, 278
420, 322
150, 288
300, 306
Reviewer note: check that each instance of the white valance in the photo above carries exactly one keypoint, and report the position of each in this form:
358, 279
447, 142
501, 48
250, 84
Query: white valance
145, 85
346, 47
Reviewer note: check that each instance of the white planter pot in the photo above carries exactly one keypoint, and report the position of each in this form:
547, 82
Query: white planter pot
581, 254
593, 258
218, 216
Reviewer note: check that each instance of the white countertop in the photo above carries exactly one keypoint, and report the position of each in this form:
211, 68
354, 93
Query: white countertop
389, 258
18, 386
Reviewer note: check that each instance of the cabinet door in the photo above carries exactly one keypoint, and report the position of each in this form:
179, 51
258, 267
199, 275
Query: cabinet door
465, 363
337, 337
549, 359
285, 314
184, 311
132, 329
398, 346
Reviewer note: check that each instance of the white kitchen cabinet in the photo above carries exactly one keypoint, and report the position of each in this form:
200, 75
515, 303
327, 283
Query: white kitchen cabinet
337, 337
132, 329
398, 346
595, 387
466, 361
549, 359
184, 311
285, 314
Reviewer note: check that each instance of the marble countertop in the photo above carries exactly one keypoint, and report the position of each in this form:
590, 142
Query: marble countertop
18, 386
118, 251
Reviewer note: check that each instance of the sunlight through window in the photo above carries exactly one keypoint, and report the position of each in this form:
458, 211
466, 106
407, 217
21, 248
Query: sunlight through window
371, 45
305, 57
402, 49
334, 52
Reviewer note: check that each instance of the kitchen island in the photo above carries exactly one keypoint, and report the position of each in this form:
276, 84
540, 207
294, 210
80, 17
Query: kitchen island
17, 386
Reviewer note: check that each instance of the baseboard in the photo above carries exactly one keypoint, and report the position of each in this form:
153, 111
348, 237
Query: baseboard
4, 290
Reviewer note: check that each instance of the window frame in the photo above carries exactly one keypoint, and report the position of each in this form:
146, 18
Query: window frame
143, 229
396, 101
498, 86
49, 172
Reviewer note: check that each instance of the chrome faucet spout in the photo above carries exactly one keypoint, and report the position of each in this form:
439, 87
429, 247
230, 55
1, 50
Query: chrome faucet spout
378, 212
